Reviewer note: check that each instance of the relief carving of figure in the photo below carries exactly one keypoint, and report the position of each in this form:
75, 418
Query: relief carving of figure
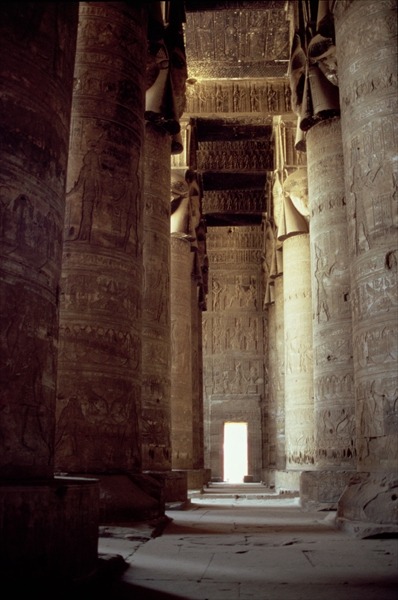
90, 186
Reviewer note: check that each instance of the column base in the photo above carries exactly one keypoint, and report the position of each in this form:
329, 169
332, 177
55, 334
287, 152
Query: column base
197, 479
321, 490
368, 506
175, 486
286, 481
49, 531
129, 497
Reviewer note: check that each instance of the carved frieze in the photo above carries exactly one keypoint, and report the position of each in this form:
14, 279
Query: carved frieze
233, 201
258, 96
250, 155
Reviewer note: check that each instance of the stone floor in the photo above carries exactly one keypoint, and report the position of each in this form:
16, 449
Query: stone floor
245, 543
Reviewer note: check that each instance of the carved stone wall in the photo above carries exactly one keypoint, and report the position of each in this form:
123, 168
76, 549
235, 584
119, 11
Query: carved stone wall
366, 54
332, 330
99, 376
299, 390
234, 329
156, 324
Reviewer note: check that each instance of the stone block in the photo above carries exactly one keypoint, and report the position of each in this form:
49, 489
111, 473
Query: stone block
321, 490
368, 507
49, 531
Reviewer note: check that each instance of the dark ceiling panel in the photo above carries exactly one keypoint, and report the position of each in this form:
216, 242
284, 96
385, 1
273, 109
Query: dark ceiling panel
236, 220
201, 5
220, 130
227, 180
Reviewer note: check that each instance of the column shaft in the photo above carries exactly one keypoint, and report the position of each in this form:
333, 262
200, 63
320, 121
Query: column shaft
99, 379
299, 394
181, 354
156, 362
332, 331
367, 58
34, 123
48, 526
366, 42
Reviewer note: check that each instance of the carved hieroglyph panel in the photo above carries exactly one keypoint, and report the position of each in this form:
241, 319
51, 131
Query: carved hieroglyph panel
233, 201
251, 155
257, 96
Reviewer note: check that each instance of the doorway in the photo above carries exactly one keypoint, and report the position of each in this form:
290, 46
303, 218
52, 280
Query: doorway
235, 452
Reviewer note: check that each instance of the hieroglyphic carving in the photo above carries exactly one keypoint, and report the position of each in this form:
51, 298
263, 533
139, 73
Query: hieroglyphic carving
109, 212
88, 291
256, 96
335, 435
236, 201
234, 40
27, 334
27, 227
251, 155
107, 407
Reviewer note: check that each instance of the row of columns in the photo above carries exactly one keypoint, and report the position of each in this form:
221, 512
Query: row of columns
340, 278
88, 381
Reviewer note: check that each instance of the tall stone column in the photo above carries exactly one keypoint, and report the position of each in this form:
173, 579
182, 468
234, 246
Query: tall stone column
156, 362
156, 319
335, 449
99, 377
367, 62
181, 354
280, 446
299, 391
276, 475
275, 459
197, 385
43, 535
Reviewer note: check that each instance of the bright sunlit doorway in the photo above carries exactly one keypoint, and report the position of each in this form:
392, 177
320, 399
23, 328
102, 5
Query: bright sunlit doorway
235, 452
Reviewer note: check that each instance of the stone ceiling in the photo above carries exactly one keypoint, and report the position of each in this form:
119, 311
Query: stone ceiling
237, 58
237, 39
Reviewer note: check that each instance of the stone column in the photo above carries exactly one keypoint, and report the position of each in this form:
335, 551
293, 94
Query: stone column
332, 331
99, 377
181, 354
279, 415
275, 459
197, 388
48, 525
299, 390
197, 399
367, 62
156, 364
156, 319
275, 474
